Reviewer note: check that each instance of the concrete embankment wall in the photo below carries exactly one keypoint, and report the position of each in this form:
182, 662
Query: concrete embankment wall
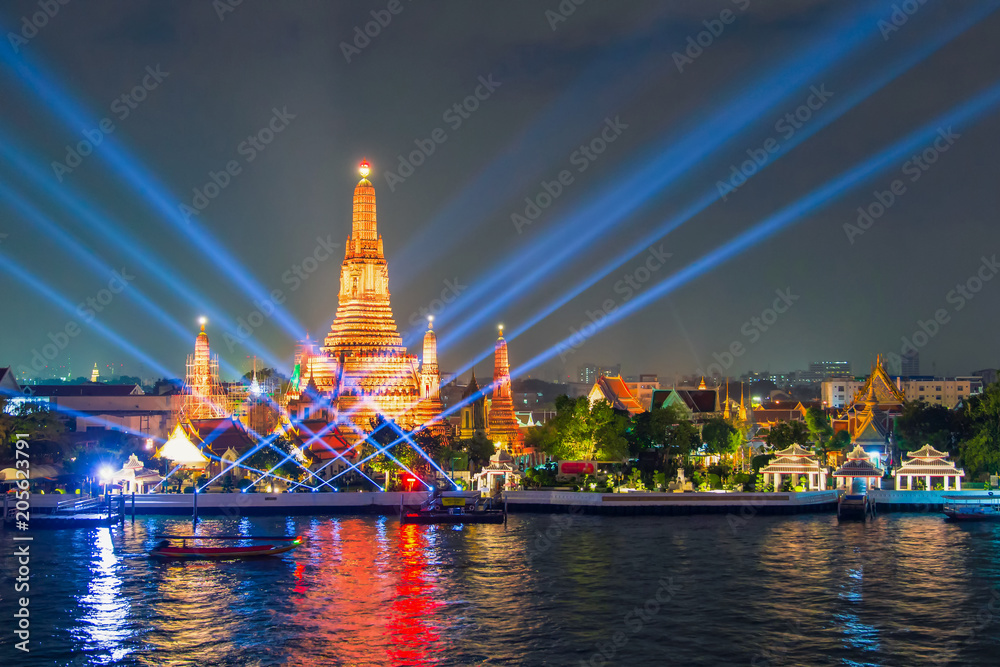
253, 504
915, 501
633, 504
548, 502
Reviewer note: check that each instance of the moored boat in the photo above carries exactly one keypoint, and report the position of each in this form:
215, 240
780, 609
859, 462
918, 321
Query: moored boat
972, 508
165, 549
455, 508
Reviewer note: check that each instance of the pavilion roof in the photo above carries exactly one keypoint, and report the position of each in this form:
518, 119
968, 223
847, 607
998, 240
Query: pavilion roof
795, 450
792, 465
927, 452
858, 468
921, 468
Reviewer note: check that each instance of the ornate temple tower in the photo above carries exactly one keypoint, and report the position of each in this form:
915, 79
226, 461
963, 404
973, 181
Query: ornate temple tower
429, 410
204, 397
503, 425
473, 413
366, 368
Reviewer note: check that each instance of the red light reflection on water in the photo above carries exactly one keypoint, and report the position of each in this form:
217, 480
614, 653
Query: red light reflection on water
300, 586
366, 597
414, 639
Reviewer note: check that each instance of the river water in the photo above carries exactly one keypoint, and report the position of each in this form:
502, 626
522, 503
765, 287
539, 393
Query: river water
906, 589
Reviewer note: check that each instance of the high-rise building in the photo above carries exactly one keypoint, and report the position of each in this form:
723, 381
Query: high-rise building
830, 368
588, 373
910, 364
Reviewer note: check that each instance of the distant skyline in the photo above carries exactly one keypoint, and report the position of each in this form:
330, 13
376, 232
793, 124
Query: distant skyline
164, 161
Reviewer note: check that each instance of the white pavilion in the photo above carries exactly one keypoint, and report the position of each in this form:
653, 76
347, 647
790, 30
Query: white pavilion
797, 462
928, 463
859, 466
135, 477
499, 474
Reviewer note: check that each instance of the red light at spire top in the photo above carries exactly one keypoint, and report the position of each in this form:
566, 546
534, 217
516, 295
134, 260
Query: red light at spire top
365, 169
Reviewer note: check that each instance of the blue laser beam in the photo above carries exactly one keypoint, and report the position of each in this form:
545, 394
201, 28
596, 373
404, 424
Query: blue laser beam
117, 236
143, 182
36, 284
672, 159
818, 198
78, 250
835, 111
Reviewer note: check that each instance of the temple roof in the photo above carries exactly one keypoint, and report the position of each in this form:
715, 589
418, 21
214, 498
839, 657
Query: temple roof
879, 388
221, 434
614, 390
179, 449
695, 400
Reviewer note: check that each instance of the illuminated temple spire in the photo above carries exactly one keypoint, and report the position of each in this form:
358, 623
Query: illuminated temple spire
365, 364
430, 382
204, 397
503, 425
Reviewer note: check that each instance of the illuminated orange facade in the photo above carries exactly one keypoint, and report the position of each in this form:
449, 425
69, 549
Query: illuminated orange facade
503, 425
204, 397
362, 365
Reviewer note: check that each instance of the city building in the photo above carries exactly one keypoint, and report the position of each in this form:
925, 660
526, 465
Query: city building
821, 370
829, 368
96, 409
987, 376
588, 373
909, 365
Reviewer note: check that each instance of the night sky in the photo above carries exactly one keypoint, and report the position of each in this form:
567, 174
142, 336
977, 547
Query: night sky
211, 76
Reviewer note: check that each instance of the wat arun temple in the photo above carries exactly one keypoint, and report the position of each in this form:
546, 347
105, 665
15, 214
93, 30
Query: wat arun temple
361, 369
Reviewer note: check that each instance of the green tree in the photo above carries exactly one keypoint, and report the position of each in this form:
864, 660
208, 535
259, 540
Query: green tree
800, 432
480, 449
44, 428
584, 432
839, 441
717, 434
280, 453
981, 449
651, 429
818, 424
681, 439
780, 436
922, 424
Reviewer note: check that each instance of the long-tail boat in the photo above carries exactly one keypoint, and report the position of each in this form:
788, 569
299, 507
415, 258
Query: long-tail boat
166, 549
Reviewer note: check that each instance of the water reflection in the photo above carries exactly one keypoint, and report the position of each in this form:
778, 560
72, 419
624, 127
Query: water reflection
414, 638
365, 591
105, 611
